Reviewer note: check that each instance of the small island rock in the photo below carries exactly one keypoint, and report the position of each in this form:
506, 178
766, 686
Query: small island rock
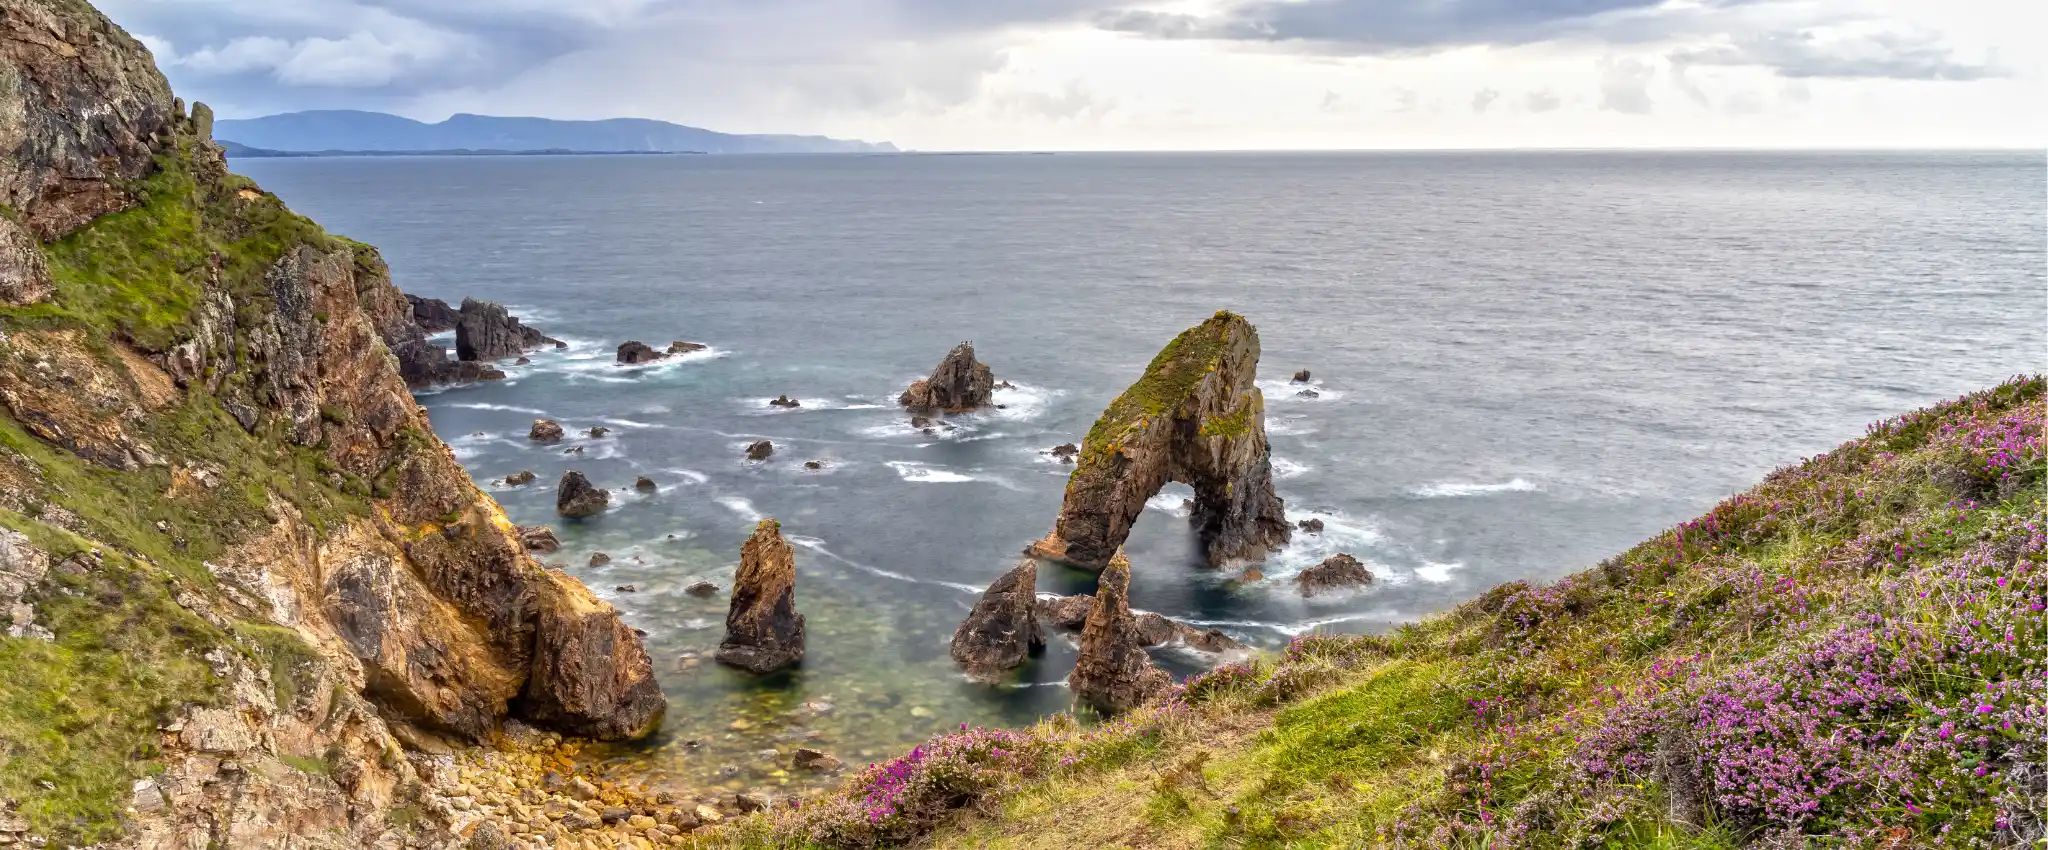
520, 479
960, 383
644, 483
1337, 572
577, 498
760, 450
545, 431
681, 347
1301, 377
784, 401
633, 351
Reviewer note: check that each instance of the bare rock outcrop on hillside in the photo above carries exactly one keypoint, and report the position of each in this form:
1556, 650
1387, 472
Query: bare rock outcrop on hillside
1196, 417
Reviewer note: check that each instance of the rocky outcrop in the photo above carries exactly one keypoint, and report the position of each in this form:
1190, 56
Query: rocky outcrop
1301, 377
577, 498
784, 401
1335, 573
960, 383
633, 352
545, 431
484, 331
1196, 417
83, 113
433, 315
539, 538
760, 450
589, 675
1114, 673
24, 274
1002, 629
763, 631
1070, 613
681, 347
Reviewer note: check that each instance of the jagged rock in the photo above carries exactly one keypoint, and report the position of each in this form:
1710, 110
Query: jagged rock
539, 538
483, 331
1301, 377
818, 760
521, 478
82, 109
1154, 630
24, 273
1195, 417
1070, 613
681, 347
763, 631
433, 315
1065, 452
702, 589
633, 351
573, 450
577, 498
1311, 525
1337, 572
784, 401
545, 431
599, 559
1114, 673
1066, 612
599, 431
644, 483
760, 450
590, 675
1003, 627
960, 383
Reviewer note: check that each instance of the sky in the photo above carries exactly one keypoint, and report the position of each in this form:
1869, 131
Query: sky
1134, 75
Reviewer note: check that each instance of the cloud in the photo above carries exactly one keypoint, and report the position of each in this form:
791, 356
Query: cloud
1375, 27
1542, 101
1483, 99
1625, 85
1865, 55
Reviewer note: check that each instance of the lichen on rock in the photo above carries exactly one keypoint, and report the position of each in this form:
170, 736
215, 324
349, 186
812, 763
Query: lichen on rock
763, 631
1197, 417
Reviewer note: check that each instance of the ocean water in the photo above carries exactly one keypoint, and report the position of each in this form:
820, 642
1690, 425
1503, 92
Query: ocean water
1526, 362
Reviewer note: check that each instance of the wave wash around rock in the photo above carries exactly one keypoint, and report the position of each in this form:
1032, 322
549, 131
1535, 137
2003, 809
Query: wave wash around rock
1196, 417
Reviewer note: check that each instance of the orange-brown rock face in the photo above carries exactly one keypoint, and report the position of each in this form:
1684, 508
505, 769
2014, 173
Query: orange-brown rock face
763, 631
1195, 417
1114, 673
589, 675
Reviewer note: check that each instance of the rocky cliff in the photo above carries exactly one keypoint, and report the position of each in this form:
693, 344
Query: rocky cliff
258, 570
1196, 417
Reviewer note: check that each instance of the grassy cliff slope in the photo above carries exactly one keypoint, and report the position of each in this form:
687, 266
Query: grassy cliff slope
1854, 653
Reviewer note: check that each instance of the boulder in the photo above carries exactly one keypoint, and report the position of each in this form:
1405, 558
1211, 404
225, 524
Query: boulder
1114, 672
523, 361
784, 401
633, 351
1003, 627
577, 498
590, 674
1301, 377
545, 431
644, 484
1065, 452
1311, 525
599, 559
1197, 417
521, 478
484, 331
701, 589
763, 631
681, 347
1338, 572
818, 760
1067, 612
1154, 630
760, 450
814, 464
433, 315
538, 538
960, 383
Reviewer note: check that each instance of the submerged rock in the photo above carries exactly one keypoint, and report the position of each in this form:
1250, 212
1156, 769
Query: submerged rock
1301, 377
644, 483
633, 351
760, 450
544, 431
681, 347
1311, 525
599, 431
577, 498
521, 478
1003, 627
763, 631
702, 589
1195, 417
784, 401
814, 464
599, 559
960, 383
1114, 673
1337, 572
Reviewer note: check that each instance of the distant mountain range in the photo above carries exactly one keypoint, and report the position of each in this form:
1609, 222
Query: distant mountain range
339, 132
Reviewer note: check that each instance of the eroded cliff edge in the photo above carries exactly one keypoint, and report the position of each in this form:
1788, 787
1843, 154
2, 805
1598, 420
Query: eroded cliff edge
233, 538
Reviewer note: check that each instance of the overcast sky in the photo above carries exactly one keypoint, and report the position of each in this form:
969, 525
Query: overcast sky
1126, 74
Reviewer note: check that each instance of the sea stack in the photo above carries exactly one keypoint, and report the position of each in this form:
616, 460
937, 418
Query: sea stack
961, 383
1196, 417
576, 498
633, 351
763, 631
1003, 627
484, 331
1114, 673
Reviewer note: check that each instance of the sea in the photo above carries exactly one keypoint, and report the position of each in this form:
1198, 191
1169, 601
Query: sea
1522, 363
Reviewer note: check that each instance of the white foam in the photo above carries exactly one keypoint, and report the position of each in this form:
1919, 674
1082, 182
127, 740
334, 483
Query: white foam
694, 476
1284, 468
741, 506
511, 408
910, 470
807, 405
816, 545
1455, 489
1340, 534
1280, 390
1169, 503
1021, 401
1288, 426
629, 423
1436, 573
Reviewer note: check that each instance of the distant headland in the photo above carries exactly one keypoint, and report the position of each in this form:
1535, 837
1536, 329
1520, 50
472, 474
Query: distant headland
356, 133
